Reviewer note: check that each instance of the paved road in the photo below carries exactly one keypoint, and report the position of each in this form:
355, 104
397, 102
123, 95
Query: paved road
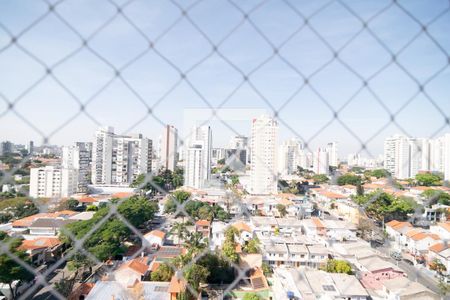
414, 273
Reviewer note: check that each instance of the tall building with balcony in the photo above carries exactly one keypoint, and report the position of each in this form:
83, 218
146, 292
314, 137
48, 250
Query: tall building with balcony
169, 148
198, 157
119, 159
332, 149
321, 164
52, 181
79, 157
264, 140
404, 157
289, 156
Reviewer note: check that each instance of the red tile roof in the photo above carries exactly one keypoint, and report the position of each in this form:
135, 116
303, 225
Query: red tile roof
121, 195
39, 243
157, 233
139, 265
203, 223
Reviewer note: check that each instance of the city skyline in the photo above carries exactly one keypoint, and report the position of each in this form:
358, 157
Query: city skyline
269, 87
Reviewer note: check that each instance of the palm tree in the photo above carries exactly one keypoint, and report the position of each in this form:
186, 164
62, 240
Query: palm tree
181, 261
195, 243
179, 229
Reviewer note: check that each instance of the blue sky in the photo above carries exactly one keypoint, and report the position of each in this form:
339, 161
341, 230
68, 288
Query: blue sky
48, 106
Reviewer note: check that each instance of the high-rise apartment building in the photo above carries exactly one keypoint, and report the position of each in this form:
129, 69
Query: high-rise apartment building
169, 148
332, 149
6, 147
263, 176
440, 155
30, 147
119, 159
198, 157
52, 181
289, 156
79, 157
404, 157
321, 163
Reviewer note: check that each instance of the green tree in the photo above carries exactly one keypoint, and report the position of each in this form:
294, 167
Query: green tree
65, 286
379, 205
138, 210
221, 161
91, 208
196, 275
234, 180
435, 196
163, 273
337, 266
194, 243
320, 178
205, 213
10, 270
438, 266
179, 230
107, 241
378, 173
252, 246
349, 179
178, 177
229, 245
428, 179
181, 260
266, 268
79, 263
69, 204
282, 210
220, 269
251, 296
444, 288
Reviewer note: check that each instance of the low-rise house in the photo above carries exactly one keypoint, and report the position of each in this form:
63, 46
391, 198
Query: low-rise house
397, 230
48, 226
289, 226
204, 227
42, 250
442, 230
155, 238
311, 284
298, 255
217, 234
132, 271
374, 271
419, 241
276, 254
329, 229
270, 226
245, 231
166, 253
294, 255
264, 225
302, 208
439, 252
22, 226
318, 256
140, 290
354, 250
402, 288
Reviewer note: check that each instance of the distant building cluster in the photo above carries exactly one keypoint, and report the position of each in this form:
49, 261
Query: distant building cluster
404, 157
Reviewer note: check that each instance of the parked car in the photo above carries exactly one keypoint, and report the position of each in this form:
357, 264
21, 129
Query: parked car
396, 255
